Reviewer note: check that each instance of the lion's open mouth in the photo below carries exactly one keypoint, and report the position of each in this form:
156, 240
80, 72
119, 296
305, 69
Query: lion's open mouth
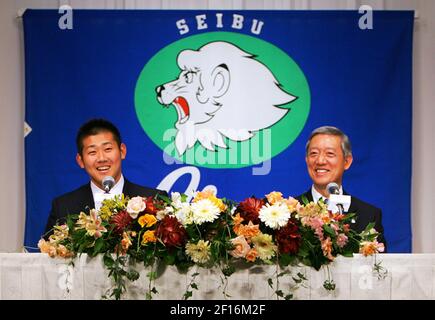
182, 108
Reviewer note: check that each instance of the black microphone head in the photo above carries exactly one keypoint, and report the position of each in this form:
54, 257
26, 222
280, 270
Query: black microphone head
333, 188
108, 183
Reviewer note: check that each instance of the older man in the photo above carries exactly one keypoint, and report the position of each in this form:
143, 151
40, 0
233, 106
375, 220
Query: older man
328, 154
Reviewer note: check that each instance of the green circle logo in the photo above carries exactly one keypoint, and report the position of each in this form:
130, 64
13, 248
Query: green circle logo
222, 100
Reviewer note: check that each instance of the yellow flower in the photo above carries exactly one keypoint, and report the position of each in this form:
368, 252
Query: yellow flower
264, 245
148, 236
209, 194
199, 252
147, 220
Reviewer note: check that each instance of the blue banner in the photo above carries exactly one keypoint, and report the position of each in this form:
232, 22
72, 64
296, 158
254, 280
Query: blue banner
223, 100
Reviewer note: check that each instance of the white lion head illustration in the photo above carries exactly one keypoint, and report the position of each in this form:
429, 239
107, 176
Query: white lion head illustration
222, 92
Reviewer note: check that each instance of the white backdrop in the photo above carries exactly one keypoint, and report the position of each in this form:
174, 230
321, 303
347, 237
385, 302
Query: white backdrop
12, 177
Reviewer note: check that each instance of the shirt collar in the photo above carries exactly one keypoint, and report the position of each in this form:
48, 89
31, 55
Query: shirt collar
116, 190
317, 195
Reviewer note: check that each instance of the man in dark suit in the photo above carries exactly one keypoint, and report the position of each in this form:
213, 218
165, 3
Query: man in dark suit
100, 152
328, 153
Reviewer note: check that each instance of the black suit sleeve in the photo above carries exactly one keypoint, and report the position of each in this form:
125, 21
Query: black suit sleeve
380, 228
52, 219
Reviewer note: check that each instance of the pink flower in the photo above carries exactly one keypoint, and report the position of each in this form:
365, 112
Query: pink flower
342, 240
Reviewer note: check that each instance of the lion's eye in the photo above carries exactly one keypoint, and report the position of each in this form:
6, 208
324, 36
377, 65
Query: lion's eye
188, 77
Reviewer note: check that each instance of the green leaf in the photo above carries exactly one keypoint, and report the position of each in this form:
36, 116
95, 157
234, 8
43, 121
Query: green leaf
194, 286
99, 244
132, 275
328, 230
279, 293
108, 261
187, 295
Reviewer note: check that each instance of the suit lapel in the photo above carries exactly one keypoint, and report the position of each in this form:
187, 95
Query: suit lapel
126, 189
90, 196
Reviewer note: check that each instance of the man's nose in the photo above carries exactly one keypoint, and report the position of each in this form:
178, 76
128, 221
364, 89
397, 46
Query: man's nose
101, 157
321, 158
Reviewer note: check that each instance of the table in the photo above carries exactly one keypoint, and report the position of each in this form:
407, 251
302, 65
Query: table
36, 276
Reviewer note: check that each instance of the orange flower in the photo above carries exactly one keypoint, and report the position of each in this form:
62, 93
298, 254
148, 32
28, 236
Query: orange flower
368, 248
201, 195
147, 220
293, 205
274, 197
251, 255
248, 231
148, 236
241, 247
237, 219
47, 247
327, 248
237, 223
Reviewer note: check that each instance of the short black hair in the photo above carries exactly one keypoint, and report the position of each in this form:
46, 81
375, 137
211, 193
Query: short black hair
93, 127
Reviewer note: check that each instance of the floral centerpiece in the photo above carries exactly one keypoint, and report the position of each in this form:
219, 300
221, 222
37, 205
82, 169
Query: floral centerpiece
209, 232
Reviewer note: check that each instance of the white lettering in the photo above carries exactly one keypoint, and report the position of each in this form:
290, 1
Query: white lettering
219, 20
366, 20
182, 26
200, 22
237, 21
256, 26
65, 21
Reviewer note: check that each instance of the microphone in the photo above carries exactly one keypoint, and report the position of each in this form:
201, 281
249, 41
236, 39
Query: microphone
333, 188
336, 200
108, 183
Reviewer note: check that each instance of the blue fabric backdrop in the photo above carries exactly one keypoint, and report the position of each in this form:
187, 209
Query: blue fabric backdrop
359, 80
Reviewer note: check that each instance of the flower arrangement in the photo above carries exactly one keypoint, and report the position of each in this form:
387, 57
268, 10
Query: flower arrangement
209, 232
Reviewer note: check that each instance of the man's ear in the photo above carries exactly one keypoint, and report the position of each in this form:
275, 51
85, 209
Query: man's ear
123, 148
348, 161
80, 161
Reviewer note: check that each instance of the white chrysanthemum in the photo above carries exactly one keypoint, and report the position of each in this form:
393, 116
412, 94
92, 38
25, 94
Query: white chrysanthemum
274, 216
204, 211
176, 199
184, 214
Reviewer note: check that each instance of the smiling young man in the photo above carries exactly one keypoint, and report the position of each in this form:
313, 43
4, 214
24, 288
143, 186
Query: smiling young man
100, 152
328, 153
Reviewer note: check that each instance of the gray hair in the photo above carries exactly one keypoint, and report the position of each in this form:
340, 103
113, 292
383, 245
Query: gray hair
333, 131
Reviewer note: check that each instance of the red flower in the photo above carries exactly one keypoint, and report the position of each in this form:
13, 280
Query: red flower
153, 205
288, 238
120, 221
171, 232
249, 209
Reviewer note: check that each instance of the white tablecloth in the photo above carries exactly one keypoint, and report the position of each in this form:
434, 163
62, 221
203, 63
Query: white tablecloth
37, 276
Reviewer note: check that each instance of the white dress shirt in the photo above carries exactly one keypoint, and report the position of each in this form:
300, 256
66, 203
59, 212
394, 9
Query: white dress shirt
317, 196
99, 194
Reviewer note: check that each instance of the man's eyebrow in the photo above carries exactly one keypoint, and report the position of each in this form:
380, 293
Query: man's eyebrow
103, 144
90, 146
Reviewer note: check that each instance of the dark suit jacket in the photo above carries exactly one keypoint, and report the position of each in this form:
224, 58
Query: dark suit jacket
364, 214
78, 200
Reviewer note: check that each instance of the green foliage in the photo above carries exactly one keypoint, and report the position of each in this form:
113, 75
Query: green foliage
158, 235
